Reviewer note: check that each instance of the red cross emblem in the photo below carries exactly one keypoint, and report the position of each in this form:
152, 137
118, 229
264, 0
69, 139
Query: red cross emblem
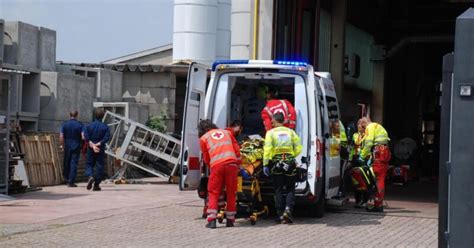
217, 135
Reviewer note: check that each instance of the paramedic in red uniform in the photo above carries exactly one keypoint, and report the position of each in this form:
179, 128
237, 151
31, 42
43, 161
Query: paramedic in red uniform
278, 106
221, 153
235, 128
375, 147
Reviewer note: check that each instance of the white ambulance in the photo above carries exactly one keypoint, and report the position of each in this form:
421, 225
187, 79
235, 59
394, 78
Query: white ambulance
232, 94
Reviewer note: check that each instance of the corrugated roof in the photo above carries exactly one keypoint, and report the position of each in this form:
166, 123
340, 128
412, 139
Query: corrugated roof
140, 54
131, 67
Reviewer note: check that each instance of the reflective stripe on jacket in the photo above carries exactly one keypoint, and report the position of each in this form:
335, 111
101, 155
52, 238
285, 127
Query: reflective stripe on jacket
374, 135
279, 106
219, 147
357, 139
281, 140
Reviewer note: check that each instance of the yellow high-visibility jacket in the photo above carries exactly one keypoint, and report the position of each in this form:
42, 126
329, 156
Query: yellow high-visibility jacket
281, 140
342, 135
357, 140
374, 135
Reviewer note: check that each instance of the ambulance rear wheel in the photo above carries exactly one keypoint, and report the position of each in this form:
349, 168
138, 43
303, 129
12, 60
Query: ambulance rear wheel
316, 210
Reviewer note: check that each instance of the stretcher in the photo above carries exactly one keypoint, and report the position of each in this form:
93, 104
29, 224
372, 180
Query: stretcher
250, 204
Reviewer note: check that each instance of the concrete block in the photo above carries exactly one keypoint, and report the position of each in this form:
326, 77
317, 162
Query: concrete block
47, 49
131, 94
15, 95
48, 97
159, 109
49, 125
131, 79
154, 80
157, 95
26, 38
2, 30
30, 93
62, 93
10, 43
117, 85
110, 86
134, 111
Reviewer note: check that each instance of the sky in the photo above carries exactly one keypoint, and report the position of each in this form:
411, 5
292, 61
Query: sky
92, 31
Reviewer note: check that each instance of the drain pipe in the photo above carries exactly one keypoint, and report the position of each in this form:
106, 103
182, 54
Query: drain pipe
256, 9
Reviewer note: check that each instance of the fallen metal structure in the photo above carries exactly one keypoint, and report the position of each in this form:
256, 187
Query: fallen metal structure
138, 145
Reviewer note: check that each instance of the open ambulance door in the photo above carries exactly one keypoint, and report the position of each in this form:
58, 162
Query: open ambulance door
330, 115
190, 164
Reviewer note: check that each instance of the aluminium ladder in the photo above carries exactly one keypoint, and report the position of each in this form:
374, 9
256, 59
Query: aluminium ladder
140, 146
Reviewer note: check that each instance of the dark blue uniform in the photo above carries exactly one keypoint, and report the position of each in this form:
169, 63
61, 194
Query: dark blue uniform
71, 131
97, 131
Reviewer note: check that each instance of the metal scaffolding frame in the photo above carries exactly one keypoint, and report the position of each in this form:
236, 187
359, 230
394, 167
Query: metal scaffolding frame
138, 145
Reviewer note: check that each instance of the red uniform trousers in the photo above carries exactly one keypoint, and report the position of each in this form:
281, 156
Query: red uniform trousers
225, 174
380, 166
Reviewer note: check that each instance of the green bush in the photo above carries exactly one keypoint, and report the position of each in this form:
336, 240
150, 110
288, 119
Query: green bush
157, 123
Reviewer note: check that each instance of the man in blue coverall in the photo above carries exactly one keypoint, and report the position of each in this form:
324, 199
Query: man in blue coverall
97, 134
71, 136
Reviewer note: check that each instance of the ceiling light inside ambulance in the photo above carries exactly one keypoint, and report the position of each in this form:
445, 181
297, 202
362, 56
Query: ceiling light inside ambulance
220, 67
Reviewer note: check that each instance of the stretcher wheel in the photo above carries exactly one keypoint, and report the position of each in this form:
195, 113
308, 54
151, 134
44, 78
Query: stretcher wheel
253, 219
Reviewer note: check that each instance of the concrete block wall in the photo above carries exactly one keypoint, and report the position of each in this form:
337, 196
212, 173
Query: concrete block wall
29, 46
155, 89
110, 86
64, 92
108, 83
135, 111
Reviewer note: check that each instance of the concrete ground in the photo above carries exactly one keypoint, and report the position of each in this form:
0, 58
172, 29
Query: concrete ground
158, 214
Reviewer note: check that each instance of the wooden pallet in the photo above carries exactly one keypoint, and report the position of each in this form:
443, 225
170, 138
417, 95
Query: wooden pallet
42, 161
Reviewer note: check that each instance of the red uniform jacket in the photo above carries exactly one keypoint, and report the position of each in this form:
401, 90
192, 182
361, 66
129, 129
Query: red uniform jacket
275, 106
219, 147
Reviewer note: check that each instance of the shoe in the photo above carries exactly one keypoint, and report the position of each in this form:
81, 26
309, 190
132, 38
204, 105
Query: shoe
89, 183
360, 205
287, 218
211, 224
72, 185
229, 223
374, 209
280, 220
96, 188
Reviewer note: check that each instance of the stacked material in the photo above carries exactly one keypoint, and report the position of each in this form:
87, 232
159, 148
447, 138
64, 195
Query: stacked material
251, 151
42, 162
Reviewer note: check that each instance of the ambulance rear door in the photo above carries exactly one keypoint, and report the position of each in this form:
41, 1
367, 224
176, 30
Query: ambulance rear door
330, 111
190, 162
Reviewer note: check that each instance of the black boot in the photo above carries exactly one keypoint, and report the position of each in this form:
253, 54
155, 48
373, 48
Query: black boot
96, 187
229, 223
211, 224
89, 183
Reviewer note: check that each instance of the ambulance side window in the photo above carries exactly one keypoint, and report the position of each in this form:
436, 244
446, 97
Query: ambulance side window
333, 111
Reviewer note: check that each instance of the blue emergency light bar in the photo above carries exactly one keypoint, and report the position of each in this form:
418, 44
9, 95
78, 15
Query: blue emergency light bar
293, 63
241, 62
